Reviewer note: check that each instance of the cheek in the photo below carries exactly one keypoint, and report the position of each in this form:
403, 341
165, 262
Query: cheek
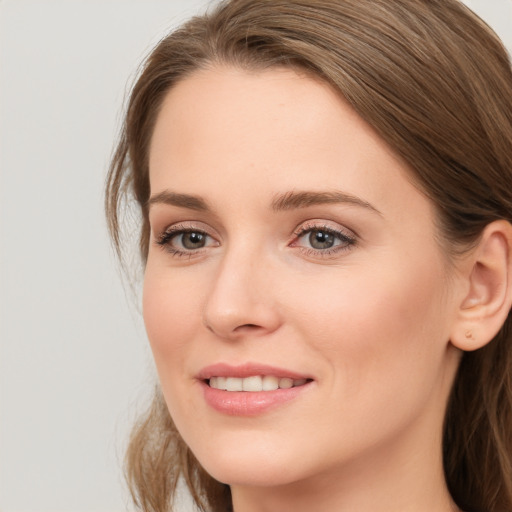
170, 311
381, 339
377, 328
170, 316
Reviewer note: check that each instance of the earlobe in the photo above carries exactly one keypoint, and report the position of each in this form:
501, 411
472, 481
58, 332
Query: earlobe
488, 296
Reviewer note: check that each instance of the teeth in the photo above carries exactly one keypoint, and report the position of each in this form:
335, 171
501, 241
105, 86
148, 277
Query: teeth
269, 383
252, 384
234, 384
285, 383
255, 383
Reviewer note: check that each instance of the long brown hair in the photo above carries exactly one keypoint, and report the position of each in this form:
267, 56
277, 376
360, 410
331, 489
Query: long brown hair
436, 83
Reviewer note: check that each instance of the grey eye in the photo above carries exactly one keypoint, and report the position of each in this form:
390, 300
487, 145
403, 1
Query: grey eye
319, 239
193, 240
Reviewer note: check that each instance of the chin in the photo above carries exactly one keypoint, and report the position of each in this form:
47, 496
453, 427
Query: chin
250, 473
244, 462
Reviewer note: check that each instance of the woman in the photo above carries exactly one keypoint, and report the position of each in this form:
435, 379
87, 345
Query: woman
324, 189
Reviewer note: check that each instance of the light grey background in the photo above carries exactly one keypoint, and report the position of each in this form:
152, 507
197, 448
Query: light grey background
74, 365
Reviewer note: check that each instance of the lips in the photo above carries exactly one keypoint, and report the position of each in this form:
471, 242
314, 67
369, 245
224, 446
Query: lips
250, 389
248, 370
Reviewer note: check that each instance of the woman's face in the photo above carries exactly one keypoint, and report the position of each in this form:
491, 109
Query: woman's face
289, 248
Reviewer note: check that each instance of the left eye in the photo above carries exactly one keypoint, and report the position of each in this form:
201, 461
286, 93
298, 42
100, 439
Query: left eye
322, 239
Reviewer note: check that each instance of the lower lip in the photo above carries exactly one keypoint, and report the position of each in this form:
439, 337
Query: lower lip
249, 403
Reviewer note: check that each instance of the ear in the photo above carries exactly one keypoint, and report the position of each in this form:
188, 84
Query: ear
487, 295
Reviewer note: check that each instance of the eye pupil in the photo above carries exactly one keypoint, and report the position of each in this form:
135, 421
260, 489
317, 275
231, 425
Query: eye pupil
321, 239
193, 240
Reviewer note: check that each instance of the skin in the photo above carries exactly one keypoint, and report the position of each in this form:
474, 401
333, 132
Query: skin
368, 321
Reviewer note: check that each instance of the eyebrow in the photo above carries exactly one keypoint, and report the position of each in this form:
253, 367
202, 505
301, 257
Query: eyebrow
295, 200
180, 200
282, 202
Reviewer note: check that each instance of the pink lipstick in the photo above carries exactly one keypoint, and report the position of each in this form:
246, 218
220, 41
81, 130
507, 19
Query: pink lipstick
250, 389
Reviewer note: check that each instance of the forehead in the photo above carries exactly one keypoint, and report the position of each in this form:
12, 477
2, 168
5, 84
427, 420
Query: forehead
268, 132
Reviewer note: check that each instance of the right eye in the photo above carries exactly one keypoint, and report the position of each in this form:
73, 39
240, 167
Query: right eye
190, 240
182, 241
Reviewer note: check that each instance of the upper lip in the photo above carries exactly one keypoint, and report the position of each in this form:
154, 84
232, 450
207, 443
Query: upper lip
247, 370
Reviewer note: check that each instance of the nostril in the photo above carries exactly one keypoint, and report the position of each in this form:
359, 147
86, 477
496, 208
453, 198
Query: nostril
248, 327
239, 329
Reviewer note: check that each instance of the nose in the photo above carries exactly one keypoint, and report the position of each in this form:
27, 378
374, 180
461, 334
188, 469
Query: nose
241, 300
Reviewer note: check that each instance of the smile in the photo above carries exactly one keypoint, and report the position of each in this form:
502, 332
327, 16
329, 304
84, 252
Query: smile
254, 383
252, 388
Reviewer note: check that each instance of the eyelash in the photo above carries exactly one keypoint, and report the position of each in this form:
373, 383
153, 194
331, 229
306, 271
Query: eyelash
346, 241
164, 240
